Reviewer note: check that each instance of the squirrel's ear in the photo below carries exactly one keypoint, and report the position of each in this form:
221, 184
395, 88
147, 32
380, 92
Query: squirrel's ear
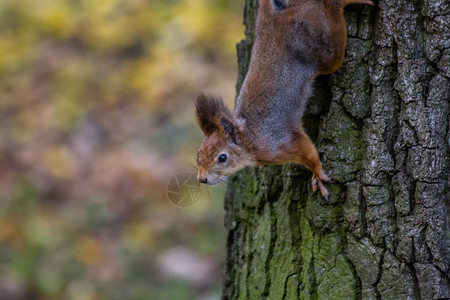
229, 128
209, 110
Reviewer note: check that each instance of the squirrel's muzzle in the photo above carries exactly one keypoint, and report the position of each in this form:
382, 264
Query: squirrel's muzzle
202, 175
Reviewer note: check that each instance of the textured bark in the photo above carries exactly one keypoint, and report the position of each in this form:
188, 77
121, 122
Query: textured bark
381, 124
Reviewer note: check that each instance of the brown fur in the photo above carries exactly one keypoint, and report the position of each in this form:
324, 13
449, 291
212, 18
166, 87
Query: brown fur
295, 41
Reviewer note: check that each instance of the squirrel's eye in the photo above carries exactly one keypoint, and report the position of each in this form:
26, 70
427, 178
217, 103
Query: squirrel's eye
223, 158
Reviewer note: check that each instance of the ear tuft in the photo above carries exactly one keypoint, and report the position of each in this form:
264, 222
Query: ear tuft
209, 111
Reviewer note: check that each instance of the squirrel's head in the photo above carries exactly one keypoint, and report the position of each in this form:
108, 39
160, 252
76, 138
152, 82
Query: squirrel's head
221, 153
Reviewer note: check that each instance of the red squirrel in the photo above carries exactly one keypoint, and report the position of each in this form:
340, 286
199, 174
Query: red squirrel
295, 41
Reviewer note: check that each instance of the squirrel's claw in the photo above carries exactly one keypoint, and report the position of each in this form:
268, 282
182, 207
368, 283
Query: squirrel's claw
317, 184
314, 184
323, 190
325, 178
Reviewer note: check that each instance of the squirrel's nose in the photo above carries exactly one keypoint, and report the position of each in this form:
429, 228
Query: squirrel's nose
202, 175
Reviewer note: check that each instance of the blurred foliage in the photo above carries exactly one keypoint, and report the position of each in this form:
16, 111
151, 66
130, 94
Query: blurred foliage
96, 116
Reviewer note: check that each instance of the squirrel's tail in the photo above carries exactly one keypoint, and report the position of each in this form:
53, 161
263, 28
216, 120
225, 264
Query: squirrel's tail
347, 2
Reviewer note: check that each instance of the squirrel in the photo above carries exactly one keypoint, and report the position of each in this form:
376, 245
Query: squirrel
295, 41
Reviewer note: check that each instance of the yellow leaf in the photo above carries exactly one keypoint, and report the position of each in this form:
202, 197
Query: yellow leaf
89, 251
138, 235
60, 162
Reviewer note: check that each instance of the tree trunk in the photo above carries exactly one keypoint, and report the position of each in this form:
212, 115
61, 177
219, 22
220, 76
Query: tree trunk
381, 125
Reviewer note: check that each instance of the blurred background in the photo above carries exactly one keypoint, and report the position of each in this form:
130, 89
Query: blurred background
96, 118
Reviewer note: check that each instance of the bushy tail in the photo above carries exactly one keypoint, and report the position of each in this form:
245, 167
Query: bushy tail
347, 2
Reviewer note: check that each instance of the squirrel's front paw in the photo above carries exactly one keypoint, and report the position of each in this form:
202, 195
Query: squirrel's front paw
316, 182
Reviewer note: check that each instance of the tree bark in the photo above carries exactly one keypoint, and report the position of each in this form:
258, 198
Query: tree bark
381, 125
